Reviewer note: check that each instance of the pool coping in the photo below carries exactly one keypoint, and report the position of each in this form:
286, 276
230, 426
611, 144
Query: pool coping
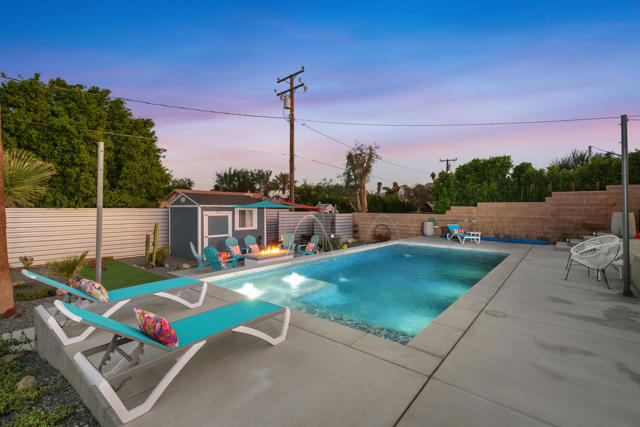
427, 349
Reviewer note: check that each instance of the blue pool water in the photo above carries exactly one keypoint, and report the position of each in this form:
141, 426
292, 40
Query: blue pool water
392, 292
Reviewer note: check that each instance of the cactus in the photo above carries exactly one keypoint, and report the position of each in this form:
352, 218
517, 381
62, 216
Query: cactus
146, 248
155, 243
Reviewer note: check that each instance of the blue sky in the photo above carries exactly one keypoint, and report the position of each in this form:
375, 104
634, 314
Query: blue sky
424, 62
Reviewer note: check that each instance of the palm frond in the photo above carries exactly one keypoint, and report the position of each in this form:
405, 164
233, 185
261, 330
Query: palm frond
25, 178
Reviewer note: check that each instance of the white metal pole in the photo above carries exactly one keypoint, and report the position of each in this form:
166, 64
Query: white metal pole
626, 271
99, 212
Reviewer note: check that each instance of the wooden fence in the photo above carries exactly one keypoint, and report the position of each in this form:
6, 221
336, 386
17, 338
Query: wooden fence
49, 234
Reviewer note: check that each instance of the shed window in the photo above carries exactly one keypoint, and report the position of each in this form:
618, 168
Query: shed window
246, 219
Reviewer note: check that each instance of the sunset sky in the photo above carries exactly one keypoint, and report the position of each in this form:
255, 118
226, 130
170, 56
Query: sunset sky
374, 62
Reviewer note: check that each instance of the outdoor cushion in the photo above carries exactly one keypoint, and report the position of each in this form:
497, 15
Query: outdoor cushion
223, 256
94, 289
254, 248
310, 246
156, 327
235, 250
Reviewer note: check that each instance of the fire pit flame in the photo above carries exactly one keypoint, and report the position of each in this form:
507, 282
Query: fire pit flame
271, 250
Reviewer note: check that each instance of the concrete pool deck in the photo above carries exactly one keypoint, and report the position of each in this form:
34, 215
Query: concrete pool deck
525, 347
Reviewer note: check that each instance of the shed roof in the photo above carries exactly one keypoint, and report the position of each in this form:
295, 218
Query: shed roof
224, 198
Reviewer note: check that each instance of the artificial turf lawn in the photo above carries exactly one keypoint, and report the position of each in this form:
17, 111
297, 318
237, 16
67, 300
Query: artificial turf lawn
119, 275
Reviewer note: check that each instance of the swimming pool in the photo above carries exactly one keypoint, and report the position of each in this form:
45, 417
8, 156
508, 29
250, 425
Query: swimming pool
392, 291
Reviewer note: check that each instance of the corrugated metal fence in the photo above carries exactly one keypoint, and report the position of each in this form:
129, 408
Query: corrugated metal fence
340, 224
48, 234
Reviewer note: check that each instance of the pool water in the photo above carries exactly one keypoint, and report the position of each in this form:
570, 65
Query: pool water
393, 291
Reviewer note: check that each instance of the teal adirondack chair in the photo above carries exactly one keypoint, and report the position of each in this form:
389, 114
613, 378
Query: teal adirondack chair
287, 242
304, 249
201, 260
248, 241
231, 242
213, 258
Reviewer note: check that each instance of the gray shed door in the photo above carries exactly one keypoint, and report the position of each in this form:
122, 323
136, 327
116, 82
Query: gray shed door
216, 224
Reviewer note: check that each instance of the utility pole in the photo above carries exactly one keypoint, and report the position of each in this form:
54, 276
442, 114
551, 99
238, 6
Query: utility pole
626, 266
99, 212
287, 98
590, 153
448, 162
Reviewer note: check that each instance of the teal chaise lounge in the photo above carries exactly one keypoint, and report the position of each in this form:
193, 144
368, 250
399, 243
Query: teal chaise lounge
118, 298
456, 231
193, 333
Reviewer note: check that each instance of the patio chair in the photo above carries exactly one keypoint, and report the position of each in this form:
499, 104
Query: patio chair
589, 243
216, 261
199, 257
233, 247
193, 333
309, 248
117, 299
249, 240
597, 258
287, 242
456, 231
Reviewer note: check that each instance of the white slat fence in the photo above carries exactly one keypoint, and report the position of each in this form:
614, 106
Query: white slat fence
49, 234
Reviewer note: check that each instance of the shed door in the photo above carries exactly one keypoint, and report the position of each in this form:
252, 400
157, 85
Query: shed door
216, 225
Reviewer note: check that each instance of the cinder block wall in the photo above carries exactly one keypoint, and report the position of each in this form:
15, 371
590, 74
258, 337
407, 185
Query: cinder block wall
562, 215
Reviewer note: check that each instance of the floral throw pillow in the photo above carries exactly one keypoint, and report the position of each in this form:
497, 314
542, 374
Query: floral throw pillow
223, 256
254, 248
235, 250
94, 289
156, 327
310, 246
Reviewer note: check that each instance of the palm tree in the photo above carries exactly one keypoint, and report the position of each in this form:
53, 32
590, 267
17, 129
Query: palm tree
280, 183
25, 178
68, 266
23, 181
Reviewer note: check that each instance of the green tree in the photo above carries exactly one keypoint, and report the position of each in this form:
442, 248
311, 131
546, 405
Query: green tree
237, 180
602, 170
58, 123
262, 178
571, 161
360, 161
179, 183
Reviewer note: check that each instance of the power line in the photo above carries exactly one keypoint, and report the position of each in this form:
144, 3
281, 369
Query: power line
522, 122
265, 116
90, 130
351, 146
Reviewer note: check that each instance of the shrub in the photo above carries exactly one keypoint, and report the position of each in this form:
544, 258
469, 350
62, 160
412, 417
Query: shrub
34, 294
27, 261
163, 254
68, 266
37, 417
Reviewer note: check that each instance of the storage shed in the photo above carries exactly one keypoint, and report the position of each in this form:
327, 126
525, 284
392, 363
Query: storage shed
207, 218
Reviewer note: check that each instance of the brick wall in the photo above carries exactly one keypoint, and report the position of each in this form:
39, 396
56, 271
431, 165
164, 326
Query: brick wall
560, 216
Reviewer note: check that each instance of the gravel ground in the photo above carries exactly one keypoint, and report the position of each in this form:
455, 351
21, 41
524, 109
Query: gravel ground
26, 321
62, 393
174, 262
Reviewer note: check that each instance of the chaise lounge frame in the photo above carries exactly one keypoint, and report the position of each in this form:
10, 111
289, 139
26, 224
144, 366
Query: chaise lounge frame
131, 363
161, 289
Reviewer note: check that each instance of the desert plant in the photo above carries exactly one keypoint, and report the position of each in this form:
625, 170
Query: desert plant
27, 261
155, 243
146, 248
163, 254
68, 266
